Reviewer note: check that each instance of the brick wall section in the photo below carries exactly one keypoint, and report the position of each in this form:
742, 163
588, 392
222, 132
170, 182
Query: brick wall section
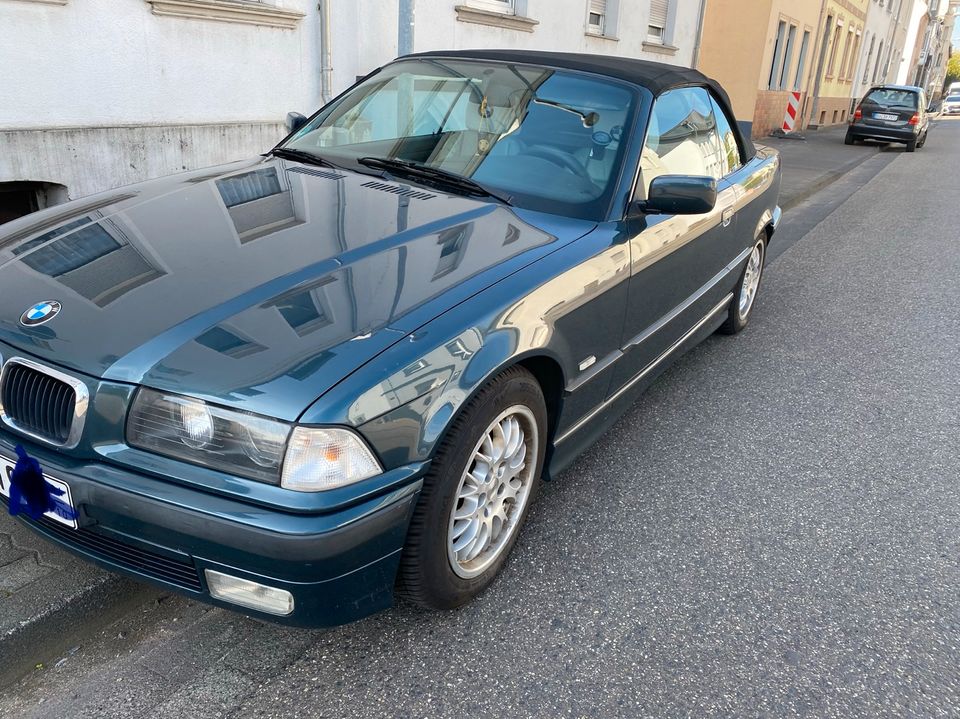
832, 105
770, 109
772, 105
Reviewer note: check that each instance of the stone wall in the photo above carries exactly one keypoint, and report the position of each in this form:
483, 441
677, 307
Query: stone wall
770, 110
91, 159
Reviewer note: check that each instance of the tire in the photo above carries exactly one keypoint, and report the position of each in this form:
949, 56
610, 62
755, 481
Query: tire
737, 315
433, 573
848, 139
923, 140
912, 146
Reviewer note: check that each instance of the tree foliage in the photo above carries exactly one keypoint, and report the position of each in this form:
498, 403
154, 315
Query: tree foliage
953, 68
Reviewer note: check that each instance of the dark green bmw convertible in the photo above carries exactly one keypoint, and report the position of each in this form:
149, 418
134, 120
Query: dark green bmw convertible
298, 384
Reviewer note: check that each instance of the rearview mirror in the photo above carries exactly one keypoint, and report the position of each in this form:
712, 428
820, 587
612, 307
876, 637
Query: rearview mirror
295, 121
680, 195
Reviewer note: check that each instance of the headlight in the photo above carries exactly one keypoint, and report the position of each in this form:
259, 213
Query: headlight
312, 459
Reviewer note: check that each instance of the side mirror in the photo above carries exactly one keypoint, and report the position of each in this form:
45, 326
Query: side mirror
295, 121
680, 195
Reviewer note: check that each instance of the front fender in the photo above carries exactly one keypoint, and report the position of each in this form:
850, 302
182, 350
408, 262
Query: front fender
562, 308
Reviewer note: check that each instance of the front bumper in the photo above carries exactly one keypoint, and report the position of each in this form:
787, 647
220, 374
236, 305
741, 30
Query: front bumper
338, 566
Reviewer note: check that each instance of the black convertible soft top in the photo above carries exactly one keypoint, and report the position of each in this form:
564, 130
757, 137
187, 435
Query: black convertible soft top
655, 76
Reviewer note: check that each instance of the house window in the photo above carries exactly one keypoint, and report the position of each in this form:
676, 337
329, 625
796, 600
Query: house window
507, 7
876, 67
869, 62
303, 312
79, 248
852, 66
228, 343
831, 66
453, 243
777, 50
597, 17
801, 64
657, 24
842, 71
249, 186
787, 58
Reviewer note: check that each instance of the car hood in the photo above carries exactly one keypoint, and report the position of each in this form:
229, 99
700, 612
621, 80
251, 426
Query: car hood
258, 284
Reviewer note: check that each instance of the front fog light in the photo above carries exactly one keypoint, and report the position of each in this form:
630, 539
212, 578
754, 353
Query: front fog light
248, 594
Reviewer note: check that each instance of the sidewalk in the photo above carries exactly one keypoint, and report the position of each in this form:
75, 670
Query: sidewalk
50, 600
812, 163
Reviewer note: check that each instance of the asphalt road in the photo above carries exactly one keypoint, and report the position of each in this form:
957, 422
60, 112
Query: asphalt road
771, 531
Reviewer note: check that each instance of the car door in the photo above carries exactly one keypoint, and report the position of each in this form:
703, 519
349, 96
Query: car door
676, 259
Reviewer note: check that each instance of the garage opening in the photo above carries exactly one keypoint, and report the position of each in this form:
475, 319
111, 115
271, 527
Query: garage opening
21, 198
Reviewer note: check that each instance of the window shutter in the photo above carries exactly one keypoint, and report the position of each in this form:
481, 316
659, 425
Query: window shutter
659, 9
598, 6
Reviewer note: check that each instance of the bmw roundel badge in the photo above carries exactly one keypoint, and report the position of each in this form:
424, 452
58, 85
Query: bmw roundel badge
40, 313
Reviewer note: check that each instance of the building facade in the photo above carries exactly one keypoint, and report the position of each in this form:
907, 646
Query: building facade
761, 51
932, 46
841, 41
884, 38
101, 93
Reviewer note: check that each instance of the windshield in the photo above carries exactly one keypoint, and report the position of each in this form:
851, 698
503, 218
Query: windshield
545, 139
953, 98
893, 98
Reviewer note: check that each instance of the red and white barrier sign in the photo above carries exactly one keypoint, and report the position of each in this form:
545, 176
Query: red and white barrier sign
793, 112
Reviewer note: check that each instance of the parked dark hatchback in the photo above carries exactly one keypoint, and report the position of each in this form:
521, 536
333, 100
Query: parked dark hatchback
291, 384
891, 113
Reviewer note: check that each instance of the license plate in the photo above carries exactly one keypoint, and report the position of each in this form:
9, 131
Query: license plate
885, 116
6, 469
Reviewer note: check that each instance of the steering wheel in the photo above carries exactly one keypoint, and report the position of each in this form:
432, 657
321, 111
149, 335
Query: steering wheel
559, 157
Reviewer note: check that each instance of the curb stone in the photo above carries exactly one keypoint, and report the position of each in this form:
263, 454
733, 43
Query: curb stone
51, 600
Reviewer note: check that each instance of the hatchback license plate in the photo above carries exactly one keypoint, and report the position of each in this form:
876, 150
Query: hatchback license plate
885, 116
6, 469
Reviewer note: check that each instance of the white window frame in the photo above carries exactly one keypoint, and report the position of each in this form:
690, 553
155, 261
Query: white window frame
609, 19
663, 38
596, 28
779, 39
504, 7
802, 61
787, 62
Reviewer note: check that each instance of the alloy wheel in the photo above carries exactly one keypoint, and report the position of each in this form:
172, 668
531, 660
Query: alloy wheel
493, 492
751, 281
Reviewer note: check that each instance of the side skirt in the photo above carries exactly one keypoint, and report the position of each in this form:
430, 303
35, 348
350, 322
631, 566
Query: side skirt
586, 431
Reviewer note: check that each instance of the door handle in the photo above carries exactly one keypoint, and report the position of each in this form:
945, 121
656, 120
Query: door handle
727, 216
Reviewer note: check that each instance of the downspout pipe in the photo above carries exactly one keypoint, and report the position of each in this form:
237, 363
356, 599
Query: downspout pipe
699, 37
405, 27
326, 52
824, 40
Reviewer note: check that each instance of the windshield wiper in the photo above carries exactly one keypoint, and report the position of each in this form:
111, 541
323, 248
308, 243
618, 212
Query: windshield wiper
433, 174
288, 153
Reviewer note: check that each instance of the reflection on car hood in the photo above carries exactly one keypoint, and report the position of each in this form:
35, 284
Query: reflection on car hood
258, 284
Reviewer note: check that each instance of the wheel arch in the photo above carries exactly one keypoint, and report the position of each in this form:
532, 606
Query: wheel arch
546, 370
765, 225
